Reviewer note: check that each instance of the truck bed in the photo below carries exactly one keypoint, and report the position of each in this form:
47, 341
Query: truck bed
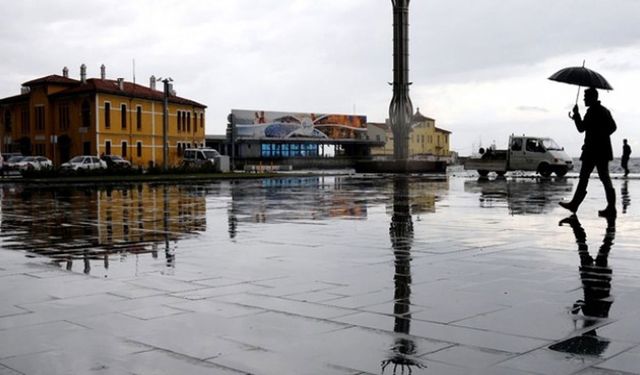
494, 160
485, 165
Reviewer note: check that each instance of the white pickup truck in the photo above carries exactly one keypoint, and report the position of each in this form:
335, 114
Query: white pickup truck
525, 153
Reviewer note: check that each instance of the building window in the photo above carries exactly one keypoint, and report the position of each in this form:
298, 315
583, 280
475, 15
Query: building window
7, 120
202, 120
107, 115
25, 120
123, 115
179, 121
139, 149
64, 119
39, 117
139, 117
195, 121
107, 147
188, 121
124, 150
85, 113
39, 149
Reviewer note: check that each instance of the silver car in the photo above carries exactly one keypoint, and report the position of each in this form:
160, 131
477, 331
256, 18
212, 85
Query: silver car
33, 163
84, 162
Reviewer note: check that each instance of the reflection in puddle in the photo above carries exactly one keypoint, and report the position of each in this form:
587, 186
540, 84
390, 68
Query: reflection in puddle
595, 275
626, 198
88, 229
521, 196
403, 350
71, 225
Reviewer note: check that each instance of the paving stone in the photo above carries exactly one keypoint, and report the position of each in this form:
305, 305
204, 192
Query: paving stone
304, 278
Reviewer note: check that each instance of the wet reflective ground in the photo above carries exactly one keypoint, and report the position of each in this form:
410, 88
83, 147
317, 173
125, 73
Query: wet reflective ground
319, 275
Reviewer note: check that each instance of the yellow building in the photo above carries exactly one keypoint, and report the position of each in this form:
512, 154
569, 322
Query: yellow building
426, 141
60, 117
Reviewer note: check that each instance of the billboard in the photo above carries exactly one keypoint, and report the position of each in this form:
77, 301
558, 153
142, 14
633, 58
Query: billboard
292, 125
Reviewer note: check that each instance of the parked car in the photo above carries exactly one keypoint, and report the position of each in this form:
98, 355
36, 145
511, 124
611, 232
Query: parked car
8, 155
33, 163
115, 161
10, 163
84, 162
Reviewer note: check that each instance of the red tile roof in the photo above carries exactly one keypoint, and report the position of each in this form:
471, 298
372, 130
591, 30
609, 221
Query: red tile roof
54, 78
419, 117
15, 99
109, 86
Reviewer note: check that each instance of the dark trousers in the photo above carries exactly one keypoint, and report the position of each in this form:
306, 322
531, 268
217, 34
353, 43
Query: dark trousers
625, 165
603, 174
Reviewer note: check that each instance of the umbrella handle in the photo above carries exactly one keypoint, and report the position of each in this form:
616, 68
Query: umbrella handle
578, 94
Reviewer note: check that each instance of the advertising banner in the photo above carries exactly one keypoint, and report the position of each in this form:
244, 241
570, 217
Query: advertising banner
291, 125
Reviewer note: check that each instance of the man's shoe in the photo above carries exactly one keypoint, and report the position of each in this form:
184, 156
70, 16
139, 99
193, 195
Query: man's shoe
569, 206
608, 212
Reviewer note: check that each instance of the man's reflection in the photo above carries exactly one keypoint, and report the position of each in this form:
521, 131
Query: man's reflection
624, 193
401, 233
595, 275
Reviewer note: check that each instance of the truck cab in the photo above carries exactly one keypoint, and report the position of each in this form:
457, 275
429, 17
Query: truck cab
539, 154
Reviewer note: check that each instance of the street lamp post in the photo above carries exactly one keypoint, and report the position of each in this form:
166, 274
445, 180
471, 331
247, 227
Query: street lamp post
400, 109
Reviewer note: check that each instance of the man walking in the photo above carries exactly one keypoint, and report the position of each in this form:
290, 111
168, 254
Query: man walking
598, 125
626, 152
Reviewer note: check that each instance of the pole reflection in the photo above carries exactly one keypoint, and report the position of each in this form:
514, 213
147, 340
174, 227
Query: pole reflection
401, 234
595, 275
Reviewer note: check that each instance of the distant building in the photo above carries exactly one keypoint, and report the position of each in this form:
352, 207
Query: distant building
60, 117
299, 139
426, 141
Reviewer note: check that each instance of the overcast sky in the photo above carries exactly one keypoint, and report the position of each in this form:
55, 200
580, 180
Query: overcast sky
478, 67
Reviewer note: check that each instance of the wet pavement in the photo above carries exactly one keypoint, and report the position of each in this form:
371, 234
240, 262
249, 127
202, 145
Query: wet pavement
320, 275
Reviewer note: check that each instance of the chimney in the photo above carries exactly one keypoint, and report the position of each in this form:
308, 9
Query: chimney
121, 84
103, 72
83, 73
24, 90
152, 82
65, 72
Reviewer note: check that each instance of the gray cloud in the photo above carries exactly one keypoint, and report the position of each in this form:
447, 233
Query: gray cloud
525, 108
306, 55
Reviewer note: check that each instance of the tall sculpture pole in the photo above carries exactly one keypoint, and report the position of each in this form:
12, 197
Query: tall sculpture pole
400, 109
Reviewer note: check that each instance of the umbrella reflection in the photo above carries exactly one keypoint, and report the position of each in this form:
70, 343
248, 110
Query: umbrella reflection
401, 233
595, 275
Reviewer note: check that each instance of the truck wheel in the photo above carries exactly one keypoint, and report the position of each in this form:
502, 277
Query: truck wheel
544, 170
560, 172
483, 173
501, 173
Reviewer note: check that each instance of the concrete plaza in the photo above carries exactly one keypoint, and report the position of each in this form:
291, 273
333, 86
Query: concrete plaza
320, 275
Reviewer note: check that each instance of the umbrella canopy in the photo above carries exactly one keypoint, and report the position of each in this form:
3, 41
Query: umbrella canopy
581, 76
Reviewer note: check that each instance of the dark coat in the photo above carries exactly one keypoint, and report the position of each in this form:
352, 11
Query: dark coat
598, 125
626, 152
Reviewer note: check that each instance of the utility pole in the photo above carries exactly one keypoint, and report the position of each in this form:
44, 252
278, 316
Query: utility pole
231, 138
165, 124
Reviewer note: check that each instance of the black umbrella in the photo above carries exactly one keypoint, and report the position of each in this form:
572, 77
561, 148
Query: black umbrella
581, 76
